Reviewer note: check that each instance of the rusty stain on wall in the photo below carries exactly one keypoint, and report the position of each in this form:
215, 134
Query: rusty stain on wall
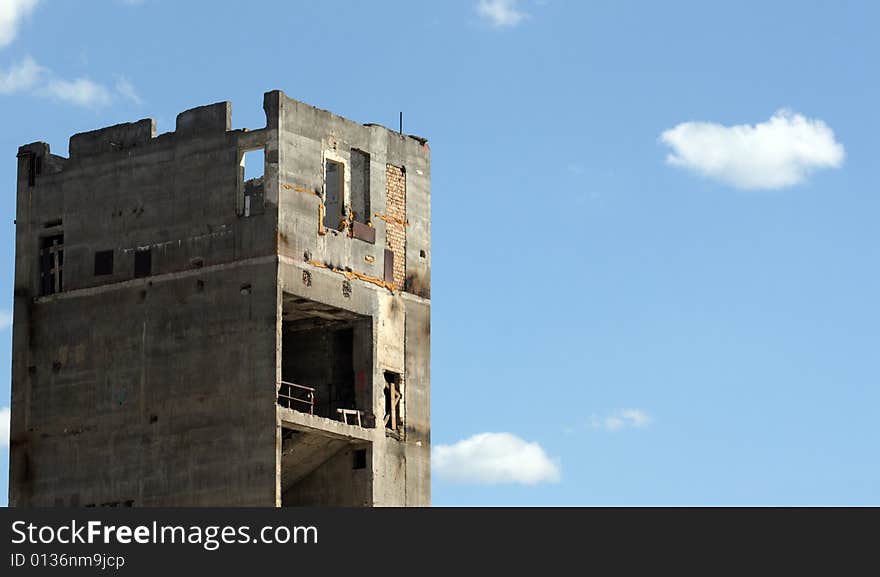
358, 275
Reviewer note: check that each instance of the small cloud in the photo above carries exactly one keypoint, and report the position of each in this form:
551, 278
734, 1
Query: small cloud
29, 75
5, 320
4, 427
622, 419
22, 76
126, 90
501, 13
11, 14
81, 91
494, 458
778, 153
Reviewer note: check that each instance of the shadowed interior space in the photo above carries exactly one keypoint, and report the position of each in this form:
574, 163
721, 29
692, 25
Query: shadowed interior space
323, 470
326, 361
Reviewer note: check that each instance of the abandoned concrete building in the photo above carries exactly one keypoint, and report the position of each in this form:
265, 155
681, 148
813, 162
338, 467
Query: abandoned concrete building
196, 328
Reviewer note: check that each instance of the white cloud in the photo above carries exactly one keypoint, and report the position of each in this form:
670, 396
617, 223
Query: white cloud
126, 89
780, 152
501, 13
493, 458
29, 75
5, 320
21, 76
81, 91
4, 427
11, 13
622, 419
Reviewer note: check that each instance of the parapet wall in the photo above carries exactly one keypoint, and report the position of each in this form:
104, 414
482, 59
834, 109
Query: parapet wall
113, 138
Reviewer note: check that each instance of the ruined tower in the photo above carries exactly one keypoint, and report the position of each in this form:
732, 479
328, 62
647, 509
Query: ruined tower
187, 333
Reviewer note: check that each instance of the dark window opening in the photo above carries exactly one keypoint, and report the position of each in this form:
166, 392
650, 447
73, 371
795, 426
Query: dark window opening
360, 185
361, 226
360, 459
51, 264
143, 263
252, 173
103, 262
393, 407
334, 185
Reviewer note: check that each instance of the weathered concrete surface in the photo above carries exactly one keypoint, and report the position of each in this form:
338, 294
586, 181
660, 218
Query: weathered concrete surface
160, 388
303, 454
328, 428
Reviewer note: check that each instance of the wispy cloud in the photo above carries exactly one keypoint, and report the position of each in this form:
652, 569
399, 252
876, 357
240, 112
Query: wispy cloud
11, 14
494, 458
778, 153
621, 419
28, 75
4, 427
126, 89
501, 13
19, 77
5, 320
80, 91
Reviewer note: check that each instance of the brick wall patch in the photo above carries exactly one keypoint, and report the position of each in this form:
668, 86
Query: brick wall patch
395, 224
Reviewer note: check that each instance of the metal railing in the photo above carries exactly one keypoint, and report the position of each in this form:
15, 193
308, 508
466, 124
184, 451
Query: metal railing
296, 397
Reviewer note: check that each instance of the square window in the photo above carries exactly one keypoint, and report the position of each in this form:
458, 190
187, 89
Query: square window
103, 262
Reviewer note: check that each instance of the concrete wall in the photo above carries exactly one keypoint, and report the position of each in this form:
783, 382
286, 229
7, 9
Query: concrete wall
147, 391
308, 137
418, 401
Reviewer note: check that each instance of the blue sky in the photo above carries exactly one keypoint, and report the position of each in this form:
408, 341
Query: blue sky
654, 224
